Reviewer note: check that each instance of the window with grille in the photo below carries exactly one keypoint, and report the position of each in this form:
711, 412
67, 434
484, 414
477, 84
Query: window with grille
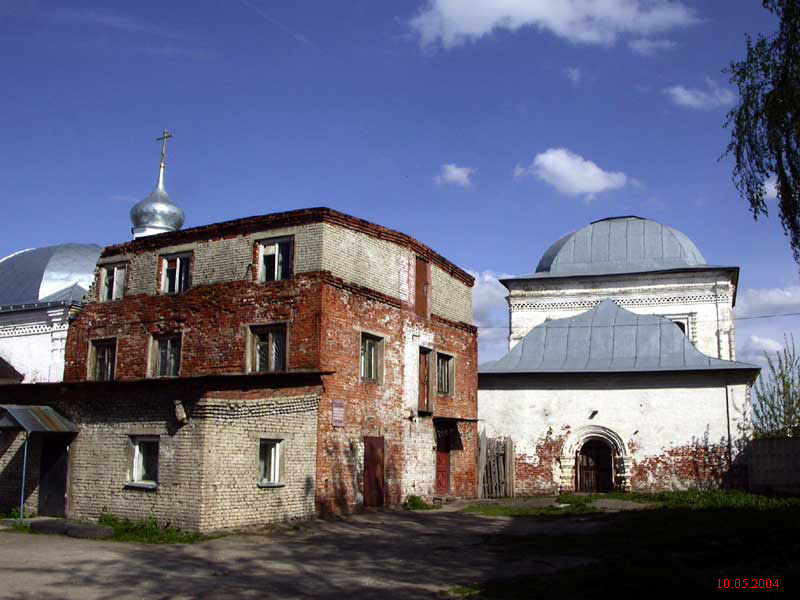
444, 373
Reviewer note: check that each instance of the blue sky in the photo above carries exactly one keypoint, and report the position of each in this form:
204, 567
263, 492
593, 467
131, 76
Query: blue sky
485, 129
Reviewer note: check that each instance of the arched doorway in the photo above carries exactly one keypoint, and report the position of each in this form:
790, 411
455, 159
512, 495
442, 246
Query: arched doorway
595, 467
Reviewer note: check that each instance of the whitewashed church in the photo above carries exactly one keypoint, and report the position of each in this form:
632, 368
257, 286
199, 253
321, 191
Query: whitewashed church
621, 371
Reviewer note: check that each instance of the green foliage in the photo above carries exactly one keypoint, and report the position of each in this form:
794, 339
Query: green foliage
416, 503
765, 125
520, 510
147, 531
776, 411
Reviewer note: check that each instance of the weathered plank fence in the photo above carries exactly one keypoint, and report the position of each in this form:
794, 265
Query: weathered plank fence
495, 467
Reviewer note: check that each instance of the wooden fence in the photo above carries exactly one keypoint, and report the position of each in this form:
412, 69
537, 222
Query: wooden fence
495, 467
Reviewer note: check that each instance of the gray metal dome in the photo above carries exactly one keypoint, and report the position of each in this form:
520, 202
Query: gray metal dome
53, 273
619, 245
157, 211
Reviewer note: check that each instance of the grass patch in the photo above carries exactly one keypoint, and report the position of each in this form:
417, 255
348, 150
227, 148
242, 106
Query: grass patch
416, 503
147, 531
685, 544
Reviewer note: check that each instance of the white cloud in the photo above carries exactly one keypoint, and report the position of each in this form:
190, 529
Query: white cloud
455, 22
647, 47
768, 301
573, 74
757, 336
571, 174
490, 313
715, 97
454, 175
771, 188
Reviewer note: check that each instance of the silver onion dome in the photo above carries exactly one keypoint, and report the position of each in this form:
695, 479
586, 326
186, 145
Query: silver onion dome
156, 213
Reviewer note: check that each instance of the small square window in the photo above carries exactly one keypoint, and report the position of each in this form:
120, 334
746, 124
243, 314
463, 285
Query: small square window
175, 275
371, 357
145, 459
444, 373
167, 356
270, 461
113, 283
269, 348
275, 263
103, 357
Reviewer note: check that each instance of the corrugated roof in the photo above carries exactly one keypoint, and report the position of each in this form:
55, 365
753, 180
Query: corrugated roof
607, 338
34, 419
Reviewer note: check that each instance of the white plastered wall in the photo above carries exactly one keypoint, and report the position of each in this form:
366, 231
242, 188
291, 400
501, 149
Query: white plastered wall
33, 342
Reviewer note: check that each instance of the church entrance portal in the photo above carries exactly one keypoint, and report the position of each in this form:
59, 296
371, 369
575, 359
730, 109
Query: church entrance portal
594, 467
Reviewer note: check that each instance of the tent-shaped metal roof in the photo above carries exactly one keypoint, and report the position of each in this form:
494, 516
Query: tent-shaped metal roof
605, 339
34, 419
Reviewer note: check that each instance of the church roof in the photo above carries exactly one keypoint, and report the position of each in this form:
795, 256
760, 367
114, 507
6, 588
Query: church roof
7, 372
619, 245
50, 274
605, 339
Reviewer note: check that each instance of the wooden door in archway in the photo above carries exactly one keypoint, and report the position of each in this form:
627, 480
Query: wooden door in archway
594, 467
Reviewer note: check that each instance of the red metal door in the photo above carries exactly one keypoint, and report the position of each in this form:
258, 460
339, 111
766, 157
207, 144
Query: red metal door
373, 472
442, 461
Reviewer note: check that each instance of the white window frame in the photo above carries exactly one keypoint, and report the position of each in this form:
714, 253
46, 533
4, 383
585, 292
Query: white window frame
118, 274
183, 260
283, 266
375, 375
155, 356
137, 468
271, 329
277, 450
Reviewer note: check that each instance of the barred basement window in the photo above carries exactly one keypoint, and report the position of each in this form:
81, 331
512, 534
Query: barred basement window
145, 459
444, 373
270, 462
167, 356
113, 283
175, 275
103, 356
269, 348
371, 358
275, 261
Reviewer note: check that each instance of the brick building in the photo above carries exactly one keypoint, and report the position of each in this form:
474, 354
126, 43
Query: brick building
260, 369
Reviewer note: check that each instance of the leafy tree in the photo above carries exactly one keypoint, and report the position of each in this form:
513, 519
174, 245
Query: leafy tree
777, 408
766, 123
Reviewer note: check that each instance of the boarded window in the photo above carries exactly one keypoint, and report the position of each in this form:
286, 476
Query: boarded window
425, 398
276, 259
269, 348
422, 288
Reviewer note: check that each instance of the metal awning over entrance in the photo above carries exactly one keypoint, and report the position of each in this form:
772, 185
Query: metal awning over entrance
34, 419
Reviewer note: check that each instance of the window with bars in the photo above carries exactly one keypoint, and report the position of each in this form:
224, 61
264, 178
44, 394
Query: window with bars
444, 373
276, 259
145, 459
103, 358
176, 275
270, 461
167, 359
113, 285
269, 348
371, 358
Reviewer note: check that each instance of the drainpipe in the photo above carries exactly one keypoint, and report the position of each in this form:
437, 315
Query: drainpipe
22, 491
728, 420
